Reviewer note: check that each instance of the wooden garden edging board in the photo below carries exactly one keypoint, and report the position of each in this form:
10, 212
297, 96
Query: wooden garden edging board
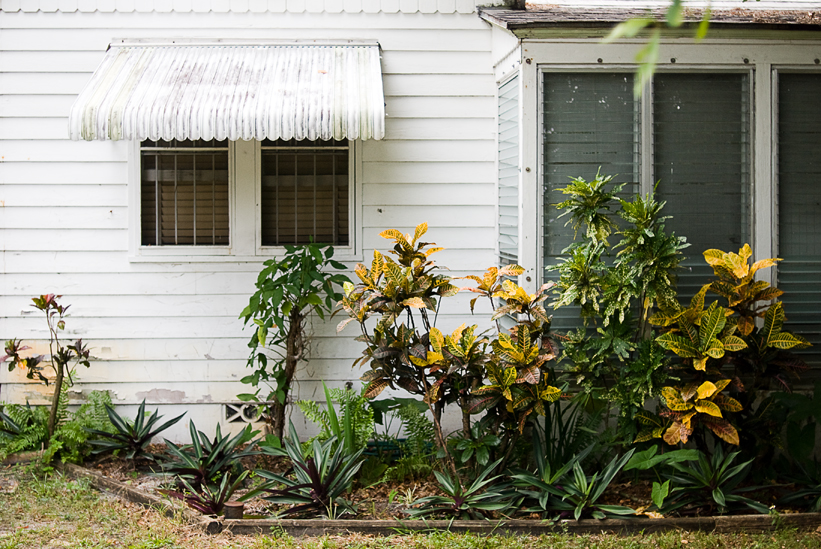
319, 527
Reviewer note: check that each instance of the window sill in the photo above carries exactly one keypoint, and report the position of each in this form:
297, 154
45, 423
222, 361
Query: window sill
189, 254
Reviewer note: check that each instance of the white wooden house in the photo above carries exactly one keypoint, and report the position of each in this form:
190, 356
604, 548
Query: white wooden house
402, 111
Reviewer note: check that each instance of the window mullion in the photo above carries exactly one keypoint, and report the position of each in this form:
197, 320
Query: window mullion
645, 143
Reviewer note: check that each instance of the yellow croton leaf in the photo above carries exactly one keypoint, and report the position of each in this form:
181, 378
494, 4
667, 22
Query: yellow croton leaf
706, 390
708, 407
391, 234
457, 333
550, 393
429, 252
511, 270
763, 264
713, 256
437, 340
721, 384
421, 229
700, 364
415, 302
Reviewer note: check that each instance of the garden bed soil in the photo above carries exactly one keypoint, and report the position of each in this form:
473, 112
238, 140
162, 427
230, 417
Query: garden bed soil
382, 510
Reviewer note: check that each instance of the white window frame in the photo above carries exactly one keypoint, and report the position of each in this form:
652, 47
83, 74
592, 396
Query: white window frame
244, 195
763, 58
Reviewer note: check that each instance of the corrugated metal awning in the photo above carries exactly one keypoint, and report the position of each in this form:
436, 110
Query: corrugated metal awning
233, 91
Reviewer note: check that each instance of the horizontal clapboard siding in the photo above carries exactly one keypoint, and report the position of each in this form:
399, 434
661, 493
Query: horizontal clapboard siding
168, 330
240, 6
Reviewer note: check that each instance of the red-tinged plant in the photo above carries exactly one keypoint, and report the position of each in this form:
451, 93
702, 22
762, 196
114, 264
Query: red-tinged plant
60, 356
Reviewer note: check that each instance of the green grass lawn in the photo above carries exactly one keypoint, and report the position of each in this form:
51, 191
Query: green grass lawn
56, 512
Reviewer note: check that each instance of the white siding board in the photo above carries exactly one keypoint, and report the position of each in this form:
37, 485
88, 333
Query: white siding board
470, 129
33, 128
173, 325
199, 24
419, 194
440, 85
42, 240
97, 40
438, 107
131, 283
93, 261
434, 215
35, 106
15, 83
36, 173
429, 151
60, 218
428, 172
63, 195
61, 150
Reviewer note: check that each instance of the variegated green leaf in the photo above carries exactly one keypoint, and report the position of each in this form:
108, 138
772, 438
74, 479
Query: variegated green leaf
733, 344
679, 345
673, 400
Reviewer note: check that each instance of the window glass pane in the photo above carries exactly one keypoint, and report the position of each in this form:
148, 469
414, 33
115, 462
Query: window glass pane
701, 133
304, 192
184, 194
509, 172
591, 122
799, 206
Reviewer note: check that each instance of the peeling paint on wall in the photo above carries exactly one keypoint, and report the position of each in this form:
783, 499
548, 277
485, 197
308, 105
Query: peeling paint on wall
162, 395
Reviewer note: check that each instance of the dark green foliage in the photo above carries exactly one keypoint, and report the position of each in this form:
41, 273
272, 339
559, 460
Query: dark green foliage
25, 428
288, 291
579, 494
616, 287
22, 428
353, 427
209, 498
540, 488
205, 461
320, 480
70, 441
476, 501
477, 446
570, 427
712, 483
130, 437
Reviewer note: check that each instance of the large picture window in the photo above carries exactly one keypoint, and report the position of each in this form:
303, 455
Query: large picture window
696, 131
799, 205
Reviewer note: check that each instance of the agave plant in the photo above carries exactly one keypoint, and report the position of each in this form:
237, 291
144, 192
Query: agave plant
205, 460
541, 489
472, 502
580, 493
712, 482
209, 498
132, 437
320, 479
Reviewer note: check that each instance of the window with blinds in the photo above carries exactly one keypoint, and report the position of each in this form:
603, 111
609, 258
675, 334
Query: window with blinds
305, 192
701, 159
508, 166
799, 206
590, 121
184, 193
699, 143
